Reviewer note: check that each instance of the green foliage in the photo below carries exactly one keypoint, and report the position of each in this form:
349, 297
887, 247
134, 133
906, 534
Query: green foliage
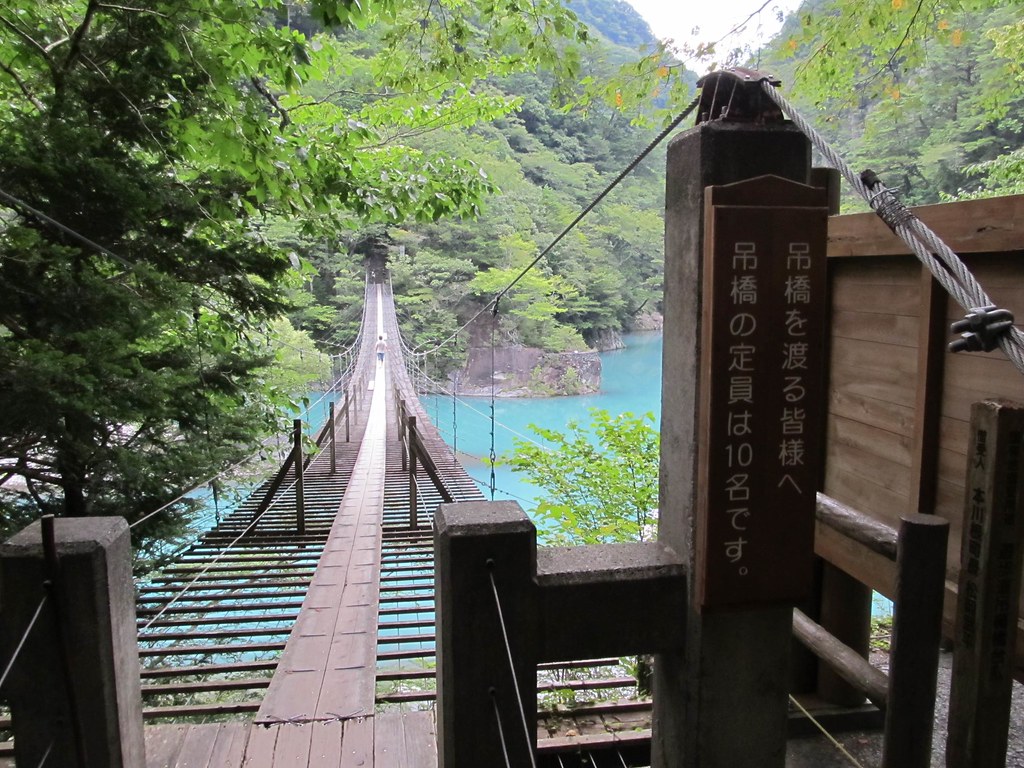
600, 482
173, 137
926, 94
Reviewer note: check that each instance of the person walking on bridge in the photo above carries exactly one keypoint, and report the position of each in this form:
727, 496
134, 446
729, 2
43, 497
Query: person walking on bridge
382, 347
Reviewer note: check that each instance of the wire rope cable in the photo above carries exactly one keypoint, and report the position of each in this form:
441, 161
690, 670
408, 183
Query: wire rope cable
501, 730
829, 736
24, 638
511, 664
944, 264
687, 111
280, 495
493, 456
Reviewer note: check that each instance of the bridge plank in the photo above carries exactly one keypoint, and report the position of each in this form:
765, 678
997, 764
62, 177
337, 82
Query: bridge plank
230, 747
327, 667
163, 743
389, 740
197, 747
420, 739
326, 744
358, 743
259, 751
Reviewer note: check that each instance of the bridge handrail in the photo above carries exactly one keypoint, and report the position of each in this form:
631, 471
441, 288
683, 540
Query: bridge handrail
413, 445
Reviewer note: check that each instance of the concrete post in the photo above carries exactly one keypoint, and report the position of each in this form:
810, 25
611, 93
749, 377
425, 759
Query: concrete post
98, 610
475, 542
723, 701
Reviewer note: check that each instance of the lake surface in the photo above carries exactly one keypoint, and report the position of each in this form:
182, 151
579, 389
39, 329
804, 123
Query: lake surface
630, 382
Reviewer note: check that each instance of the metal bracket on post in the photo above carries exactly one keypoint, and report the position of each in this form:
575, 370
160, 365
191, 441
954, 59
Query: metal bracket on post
736, 95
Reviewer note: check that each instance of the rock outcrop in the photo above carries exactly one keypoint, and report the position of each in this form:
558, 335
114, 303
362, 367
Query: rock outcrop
530, 372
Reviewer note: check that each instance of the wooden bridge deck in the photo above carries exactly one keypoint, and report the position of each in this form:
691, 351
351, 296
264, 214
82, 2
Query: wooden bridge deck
361, 598
391, 739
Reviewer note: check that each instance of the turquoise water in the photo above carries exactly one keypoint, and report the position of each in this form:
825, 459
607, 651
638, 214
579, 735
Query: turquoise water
630, 382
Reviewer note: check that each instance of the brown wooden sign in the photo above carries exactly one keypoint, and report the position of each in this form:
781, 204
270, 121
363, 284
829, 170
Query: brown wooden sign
762, 391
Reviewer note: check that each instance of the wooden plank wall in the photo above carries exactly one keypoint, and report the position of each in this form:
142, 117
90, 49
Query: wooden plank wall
899, 402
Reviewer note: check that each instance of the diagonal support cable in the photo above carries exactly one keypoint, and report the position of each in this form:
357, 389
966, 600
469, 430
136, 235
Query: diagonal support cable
944, 264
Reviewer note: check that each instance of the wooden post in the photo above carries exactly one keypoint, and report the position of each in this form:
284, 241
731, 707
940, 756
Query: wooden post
846, 614
722, 702
845, 603
413, 501
334, 452
402, 435
300, 512
348, 416
97, 599
989, 588
917, 630
479, 722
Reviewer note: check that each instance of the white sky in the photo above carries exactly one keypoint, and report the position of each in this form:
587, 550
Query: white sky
714, 18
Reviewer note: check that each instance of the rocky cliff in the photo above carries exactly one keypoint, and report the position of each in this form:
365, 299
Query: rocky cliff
530, 372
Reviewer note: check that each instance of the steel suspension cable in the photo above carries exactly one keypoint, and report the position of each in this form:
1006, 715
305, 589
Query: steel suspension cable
829, 736
511, 664
944, 264
465, 404
501, 730
280, 495
493, 455
583, 214
24, 637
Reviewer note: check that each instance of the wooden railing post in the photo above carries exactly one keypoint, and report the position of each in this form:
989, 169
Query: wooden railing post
300, 512
348, 417
404, 443
334, 452
917, 631
96, 595
989, 588
413, 501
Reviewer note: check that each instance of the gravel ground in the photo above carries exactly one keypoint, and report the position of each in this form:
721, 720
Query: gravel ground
866, 747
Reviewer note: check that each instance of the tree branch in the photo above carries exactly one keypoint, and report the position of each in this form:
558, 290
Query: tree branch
22, 87
130, 9
263, 91
78, 35
891, 63
33, 43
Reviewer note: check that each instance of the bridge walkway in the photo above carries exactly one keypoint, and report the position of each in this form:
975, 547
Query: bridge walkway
348, 673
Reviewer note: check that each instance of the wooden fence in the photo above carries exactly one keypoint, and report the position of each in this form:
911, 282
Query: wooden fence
900, 403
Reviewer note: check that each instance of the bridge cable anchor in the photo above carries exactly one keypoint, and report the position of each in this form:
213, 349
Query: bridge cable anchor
980, 329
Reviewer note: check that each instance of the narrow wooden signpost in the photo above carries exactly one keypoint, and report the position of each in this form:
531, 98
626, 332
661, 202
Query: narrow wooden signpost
989, 588
762, 394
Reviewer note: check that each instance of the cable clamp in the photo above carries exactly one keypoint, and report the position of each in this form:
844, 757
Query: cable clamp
980, 329
884, 202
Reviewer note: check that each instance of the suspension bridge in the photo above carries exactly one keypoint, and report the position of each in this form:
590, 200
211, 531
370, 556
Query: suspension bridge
306, 628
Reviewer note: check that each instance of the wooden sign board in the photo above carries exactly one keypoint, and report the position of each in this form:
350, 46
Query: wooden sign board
762, 409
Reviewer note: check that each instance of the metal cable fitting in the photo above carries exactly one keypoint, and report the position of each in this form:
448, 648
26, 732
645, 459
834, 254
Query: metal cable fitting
885, 203
980, 329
